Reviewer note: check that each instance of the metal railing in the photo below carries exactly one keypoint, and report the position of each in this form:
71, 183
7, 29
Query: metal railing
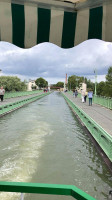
12, 106
19, 94
100, 135
40, 188
103, 101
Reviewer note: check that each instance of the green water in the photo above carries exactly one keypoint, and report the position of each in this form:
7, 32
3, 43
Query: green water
43, 142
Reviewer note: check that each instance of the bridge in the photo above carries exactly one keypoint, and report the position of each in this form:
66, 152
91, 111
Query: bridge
96, 119
66, 24
53, 87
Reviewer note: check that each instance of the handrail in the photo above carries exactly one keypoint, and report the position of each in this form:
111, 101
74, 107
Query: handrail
100, 135
101, 100
15, 105
20, 93
41, 188
104, 101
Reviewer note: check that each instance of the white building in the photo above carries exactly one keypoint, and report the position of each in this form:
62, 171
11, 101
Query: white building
83, 87
31, 84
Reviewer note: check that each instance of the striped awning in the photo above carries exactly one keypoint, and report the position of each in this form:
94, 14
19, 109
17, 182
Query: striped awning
26, 23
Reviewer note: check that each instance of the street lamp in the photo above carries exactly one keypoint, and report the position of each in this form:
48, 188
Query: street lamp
95, 72
77, 79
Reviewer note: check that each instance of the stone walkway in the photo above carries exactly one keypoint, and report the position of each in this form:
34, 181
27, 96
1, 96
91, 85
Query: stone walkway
99, 114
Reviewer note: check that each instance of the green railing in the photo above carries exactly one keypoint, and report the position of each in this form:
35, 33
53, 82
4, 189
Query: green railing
100, 135
19, 94
12, 106
104, 101
39, 188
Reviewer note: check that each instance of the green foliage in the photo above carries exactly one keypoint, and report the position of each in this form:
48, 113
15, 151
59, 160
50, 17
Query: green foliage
101, 88
108, 90
109, 76
41, 83
90, 85
60, 84
12, 83
105, 88
74, 81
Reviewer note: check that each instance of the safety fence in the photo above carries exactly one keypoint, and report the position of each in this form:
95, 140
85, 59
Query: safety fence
13, 106
40, 188
19, 94
103, 101
99, 134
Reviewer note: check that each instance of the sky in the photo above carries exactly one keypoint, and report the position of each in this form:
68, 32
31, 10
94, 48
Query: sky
52, 62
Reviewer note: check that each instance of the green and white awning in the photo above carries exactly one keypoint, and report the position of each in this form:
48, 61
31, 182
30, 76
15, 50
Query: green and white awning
29, 23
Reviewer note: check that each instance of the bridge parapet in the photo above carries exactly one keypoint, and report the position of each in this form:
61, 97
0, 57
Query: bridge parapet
103, 138
19, 94
101, 100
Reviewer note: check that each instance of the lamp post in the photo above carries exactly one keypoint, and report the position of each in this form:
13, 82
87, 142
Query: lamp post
77, 79
95, 72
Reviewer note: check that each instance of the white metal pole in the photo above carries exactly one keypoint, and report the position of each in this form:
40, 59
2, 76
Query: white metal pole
95, 80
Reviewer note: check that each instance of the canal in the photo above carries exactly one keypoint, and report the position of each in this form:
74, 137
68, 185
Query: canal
43, 142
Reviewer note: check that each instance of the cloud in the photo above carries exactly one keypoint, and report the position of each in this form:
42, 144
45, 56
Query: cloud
52, 62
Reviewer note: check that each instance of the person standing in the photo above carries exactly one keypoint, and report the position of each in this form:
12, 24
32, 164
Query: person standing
2, 92
76, 93
85, 96
90, 96
73, 93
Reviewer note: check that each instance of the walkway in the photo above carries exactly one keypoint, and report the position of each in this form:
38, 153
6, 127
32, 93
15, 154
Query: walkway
9, 105
99, 114
14, 99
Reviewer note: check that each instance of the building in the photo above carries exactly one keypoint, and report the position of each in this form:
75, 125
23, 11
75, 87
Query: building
31, 84
83, 87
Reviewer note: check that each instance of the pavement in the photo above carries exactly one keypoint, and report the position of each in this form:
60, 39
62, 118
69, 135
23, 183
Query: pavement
101, 115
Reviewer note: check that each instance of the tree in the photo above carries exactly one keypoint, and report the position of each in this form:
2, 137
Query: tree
109, 75
90, 85
108, 90
74, 81
12, 83
60, 84
41, 83
101, 88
